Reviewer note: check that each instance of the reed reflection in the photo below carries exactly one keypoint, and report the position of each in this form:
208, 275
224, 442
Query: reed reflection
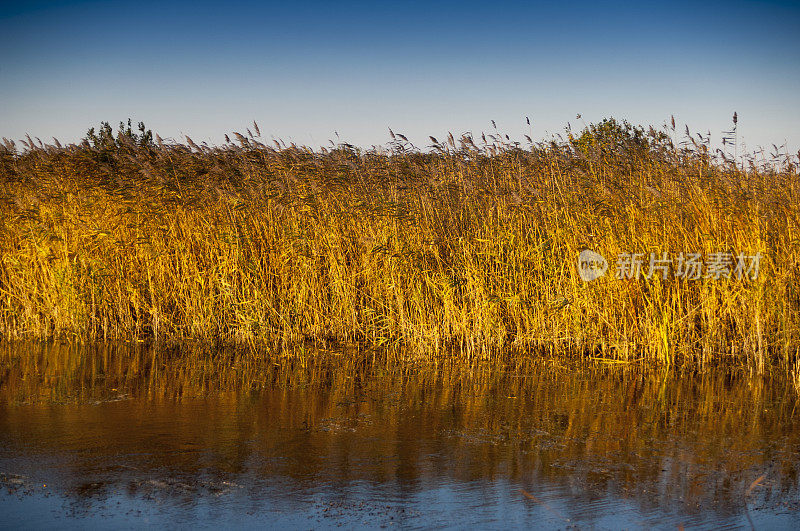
189, 424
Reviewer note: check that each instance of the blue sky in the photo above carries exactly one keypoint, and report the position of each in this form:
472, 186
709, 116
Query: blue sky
309, 69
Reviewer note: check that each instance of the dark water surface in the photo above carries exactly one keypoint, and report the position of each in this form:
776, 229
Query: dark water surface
122, 437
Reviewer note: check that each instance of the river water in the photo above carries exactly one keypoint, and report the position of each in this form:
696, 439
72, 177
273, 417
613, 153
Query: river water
119, 436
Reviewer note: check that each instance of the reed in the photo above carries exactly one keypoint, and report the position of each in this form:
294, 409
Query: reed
468, 248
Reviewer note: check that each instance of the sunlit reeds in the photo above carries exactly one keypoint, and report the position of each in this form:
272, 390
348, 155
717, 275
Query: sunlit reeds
470, 247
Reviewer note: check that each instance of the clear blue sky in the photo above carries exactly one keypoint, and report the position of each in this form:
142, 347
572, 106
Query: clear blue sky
304, 70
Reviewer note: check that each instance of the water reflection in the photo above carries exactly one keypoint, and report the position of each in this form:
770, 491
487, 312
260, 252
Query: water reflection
363, 439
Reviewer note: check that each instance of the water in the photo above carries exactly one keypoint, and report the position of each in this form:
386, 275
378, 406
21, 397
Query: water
121, 437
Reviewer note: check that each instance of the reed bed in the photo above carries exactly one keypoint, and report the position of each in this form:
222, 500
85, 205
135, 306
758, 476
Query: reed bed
467, 246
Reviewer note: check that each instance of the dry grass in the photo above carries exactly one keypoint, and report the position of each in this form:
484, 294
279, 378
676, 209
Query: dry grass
470, 248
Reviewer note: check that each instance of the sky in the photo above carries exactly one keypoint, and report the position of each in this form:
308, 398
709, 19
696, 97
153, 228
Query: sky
309, 71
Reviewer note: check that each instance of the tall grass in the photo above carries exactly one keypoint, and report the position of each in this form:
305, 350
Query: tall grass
468, 247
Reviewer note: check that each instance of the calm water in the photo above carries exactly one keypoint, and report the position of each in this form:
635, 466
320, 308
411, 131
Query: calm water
118, 437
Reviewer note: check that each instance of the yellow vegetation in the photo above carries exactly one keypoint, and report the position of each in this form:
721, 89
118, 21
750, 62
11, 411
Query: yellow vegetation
462, 249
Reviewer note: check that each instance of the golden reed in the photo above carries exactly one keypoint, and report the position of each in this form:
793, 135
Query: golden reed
468, 247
